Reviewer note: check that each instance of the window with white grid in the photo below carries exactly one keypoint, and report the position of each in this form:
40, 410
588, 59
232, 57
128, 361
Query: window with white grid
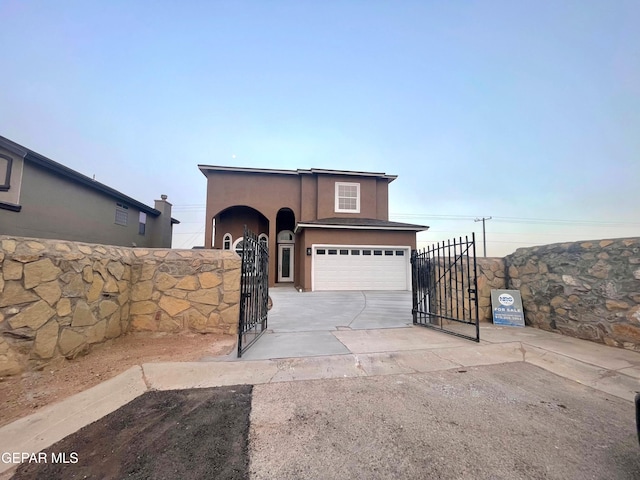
122, 215
347, 197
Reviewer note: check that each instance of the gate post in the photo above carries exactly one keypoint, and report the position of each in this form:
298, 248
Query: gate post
414, 286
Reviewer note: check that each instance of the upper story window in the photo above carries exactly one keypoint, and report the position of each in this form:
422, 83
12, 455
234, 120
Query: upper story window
5, 173
347, 197
122, 214
142, 223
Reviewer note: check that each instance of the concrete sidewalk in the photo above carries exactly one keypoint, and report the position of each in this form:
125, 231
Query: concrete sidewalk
386, 351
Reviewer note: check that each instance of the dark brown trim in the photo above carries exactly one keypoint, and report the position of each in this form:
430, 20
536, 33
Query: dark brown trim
313, 171
7, 185
10, 206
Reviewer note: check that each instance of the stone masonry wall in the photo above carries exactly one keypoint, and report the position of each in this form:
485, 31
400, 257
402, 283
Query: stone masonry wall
176, 290
59, 298
454, 283
491, 276
589, 290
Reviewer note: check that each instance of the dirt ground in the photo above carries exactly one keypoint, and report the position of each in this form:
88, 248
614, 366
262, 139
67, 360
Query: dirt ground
511, 421
169, 435
24, 394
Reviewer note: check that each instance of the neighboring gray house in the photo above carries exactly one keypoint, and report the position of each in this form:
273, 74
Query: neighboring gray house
41, 198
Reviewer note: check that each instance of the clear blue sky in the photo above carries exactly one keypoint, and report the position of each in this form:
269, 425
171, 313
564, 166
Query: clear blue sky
517, 110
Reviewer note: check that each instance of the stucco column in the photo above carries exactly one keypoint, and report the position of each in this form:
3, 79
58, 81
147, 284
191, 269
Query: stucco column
273, 252
208, 232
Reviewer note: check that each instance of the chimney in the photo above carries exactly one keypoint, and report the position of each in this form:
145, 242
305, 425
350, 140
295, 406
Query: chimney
164, 228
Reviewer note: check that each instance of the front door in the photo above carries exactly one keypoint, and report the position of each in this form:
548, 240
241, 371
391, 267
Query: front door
285, 263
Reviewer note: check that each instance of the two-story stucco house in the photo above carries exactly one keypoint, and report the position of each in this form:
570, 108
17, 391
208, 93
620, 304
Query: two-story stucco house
41, 198
325, 229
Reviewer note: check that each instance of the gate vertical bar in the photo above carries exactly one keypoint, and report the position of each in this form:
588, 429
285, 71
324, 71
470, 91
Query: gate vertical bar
475, 286
455, 276
449, 312
415, 287
243, 305
468, 261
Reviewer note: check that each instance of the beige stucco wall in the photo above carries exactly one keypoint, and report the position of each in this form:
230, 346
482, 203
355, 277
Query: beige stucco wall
56, 207
59, 298
13, 194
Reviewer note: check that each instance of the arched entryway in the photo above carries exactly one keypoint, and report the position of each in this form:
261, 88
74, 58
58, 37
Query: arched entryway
229, 226
285, 224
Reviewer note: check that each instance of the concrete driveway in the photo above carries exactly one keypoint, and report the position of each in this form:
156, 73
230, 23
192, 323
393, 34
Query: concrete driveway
308, 324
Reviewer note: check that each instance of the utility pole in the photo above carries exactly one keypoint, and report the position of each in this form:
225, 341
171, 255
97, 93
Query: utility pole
484, 236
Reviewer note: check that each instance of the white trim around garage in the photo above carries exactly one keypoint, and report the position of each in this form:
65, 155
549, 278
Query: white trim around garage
375, 269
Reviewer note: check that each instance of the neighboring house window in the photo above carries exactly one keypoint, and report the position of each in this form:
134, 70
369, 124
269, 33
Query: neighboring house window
264, 240
347, 197
226, 241
237, 246
122, 215
5, 172
142, 223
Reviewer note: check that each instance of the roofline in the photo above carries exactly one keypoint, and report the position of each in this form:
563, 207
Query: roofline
417, 228
349, 172
300, 171
220, 168
60, 169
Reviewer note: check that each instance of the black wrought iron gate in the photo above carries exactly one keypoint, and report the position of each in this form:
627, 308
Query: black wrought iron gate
254, 291
444, 285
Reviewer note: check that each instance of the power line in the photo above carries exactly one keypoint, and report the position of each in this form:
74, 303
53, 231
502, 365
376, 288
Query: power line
551, 221
191, 239
530, 220
493, 233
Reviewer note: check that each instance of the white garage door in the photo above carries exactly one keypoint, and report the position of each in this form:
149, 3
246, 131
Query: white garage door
361, 268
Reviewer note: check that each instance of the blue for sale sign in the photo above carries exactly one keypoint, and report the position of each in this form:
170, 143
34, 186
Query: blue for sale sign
507, 308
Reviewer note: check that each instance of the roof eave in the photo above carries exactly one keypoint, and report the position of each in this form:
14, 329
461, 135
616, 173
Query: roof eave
60, 169
417, 228
42, 161
219, 168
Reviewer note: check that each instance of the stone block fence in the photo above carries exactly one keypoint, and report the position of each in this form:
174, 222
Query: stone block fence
59, 298
589, 290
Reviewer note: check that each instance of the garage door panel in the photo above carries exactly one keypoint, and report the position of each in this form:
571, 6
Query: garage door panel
361, 272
